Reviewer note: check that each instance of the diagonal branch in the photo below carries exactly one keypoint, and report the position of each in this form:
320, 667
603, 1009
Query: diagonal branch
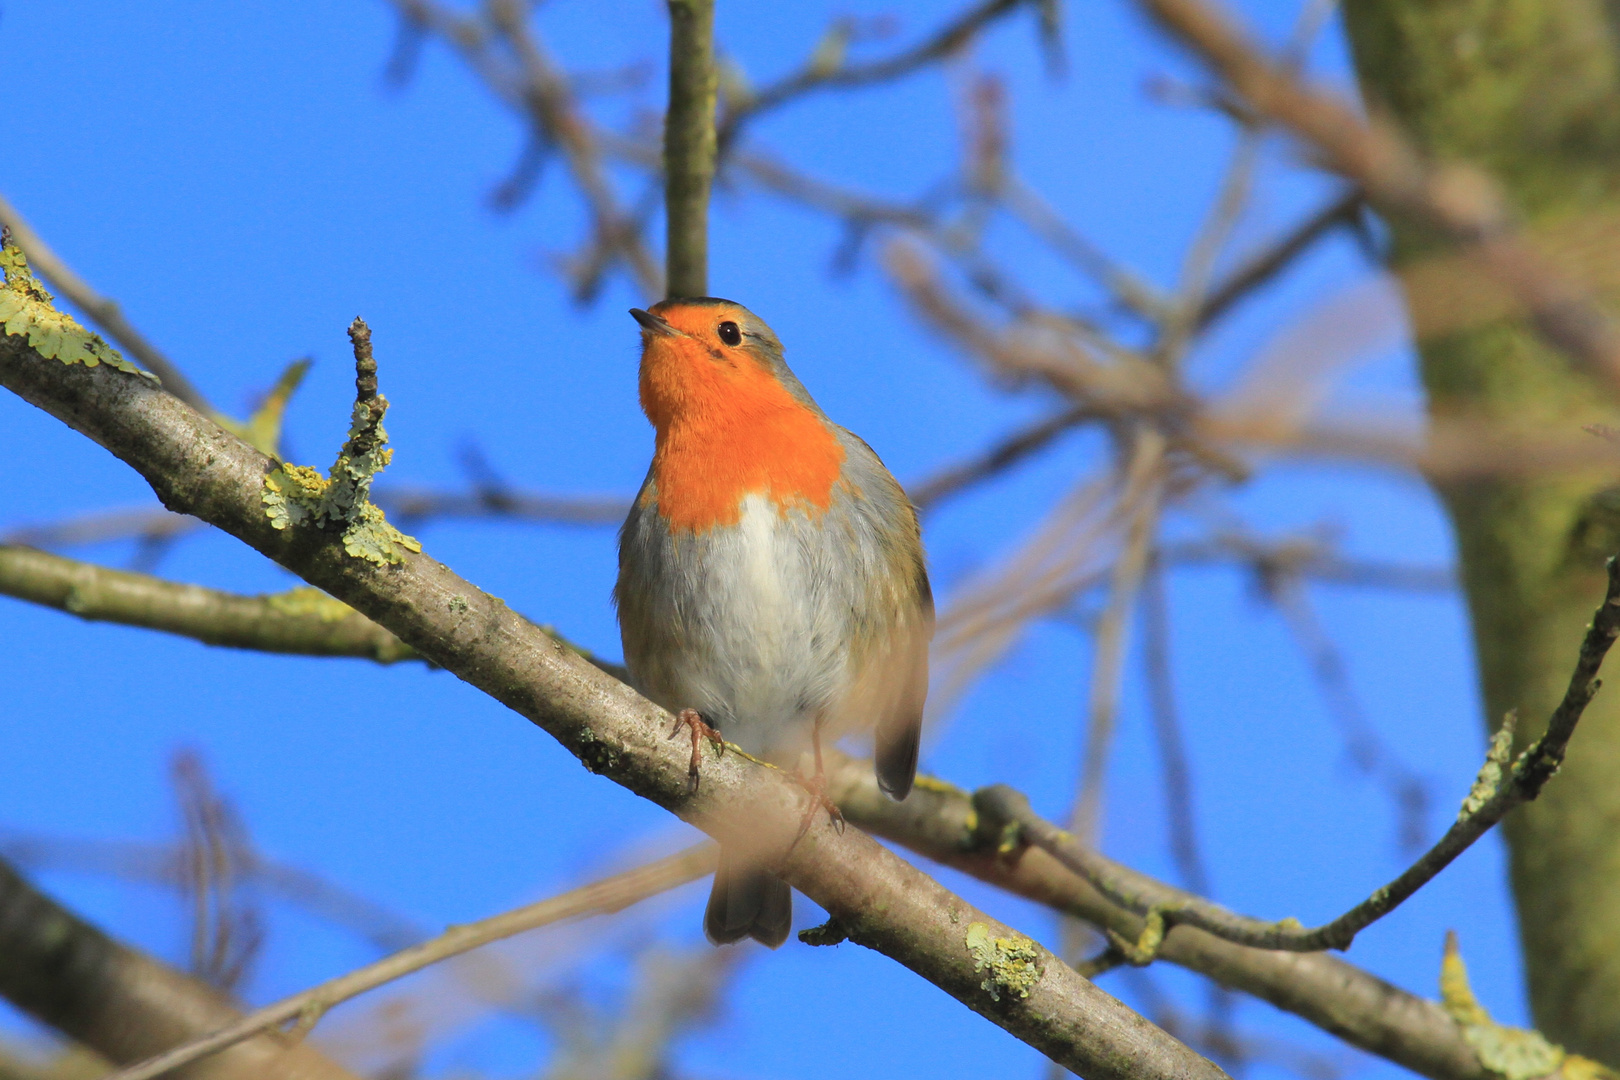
121, 1002
953, 479
1503, 784
534, 88
1265, 265
1460, 201
307, 1007
102, 310
827, 71
941, 822
877, 899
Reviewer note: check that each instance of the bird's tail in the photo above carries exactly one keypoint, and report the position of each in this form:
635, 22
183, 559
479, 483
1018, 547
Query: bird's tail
747, 902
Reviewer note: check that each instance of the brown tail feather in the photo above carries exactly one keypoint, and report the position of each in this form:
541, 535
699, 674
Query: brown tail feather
747, 902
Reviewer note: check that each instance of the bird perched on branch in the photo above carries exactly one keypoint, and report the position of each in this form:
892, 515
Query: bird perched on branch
771, 585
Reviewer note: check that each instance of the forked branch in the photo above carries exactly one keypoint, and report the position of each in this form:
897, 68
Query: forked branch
1504, 783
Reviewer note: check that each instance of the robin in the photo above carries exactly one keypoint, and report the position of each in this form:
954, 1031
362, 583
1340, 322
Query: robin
772, 584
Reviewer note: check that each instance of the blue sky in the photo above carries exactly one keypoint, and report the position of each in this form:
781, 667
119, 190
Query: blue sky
242, 181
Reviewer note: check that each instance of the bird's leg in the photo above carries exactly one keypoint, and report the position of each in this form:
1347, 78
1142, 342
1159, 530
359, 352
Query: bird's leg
701, 729
816, 787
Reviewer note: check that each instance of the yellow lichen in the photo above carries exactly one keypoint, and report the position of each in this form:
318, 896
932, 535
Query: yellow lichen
295, 494
307, 601
924, 782
1509, 1052
27, 311
1010, 964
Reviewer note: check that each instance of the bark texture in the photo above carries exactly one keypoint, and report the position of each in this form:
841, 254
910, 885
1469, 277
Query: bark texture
1527, 89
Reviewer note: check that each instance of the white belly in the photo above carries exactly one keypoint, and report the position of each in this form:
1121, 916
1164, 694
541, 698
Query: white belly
752, 628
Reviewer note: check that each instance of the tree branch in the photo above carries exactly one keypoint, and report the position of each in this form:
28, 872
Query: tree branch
689, 146
1460, 201
101, 310
536, 90
305, 621
1267, 264
879, 900
307, 1007
826, 69
1503, 784
121, 1002
940, 822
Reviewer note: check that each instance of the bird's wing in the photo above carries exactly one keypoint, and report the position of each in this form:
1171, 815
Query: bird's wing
890, 676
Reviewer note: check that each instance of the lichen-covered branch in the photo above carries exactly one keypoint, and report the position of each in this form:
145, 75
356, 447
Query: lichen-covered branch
1503, 784
307, 1007
882, 902
941, 822
120, 1002
303, 621
104, 311
689, 146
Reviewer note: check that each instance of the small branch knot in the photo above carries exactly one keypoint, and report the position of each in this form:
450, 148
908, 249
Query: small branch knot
999, 809
365, 365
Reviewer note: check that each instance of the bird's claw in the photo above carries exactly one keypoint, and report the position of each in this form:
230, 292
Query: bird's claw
816, 788
692, 719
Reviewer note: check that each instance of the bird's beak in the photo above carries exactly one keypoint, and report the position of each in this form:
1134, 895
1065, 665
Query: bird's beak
652, 322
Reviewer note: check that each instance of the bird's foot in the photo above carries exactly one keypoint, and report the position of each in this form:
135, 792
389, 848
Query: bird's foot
816, 787
692, 719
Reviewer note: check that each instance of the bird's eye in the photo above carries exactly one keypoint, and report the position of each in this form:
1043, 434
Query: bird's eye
730, 333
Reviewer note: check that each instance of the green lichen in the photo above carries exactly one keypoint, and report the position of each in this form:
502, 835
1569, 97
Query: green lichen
1145, 949
27, 310
297, 494
597, 755
1511, 1053
831, 932
307, 601
1011, 964
1489, 780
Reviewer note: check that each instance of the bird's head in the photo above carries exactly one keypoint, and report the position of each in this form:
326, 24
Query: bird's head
706, 358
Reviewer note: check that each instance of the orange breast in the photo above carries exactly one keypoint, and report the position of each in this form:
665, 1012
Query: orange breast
727, 430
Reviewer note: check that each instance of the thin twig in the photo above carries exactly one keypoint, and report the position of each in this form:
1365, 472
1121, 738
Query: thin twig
1142, 495
410, 505
1503, 784
939, 821
101, 310
1462, 202
1181, 820
954, 479
827, 70
1267, 264
1367, 750
689, 146
141, 523
531, 85
163, 864
598, 898
1198, 265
